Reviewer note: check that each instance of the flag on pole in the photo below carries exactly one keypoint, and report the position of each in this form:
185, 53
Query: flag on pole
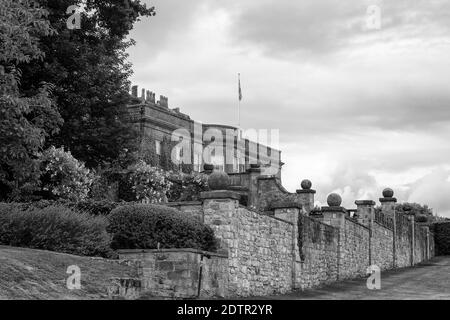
240, 90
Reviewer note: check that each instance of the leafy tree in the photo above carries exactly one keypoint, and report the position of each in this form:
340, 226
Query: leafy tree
90, 72
422, 213
27, 119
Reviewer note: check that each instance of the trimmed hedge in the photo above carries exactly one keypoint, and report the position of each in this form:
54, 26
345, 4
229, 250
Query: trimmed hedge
54, 228
96, 208
441, 237
144, 226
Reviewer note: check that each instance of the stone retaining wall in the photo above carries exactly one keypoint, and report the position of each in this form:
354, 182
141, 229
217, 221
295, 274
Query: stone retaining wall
267, 254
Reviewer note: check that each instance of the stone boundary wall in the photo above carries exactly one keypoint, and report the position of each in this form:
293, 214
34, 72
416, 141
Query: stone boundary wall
403, 240
265, 254
316, 253
178, 273
260, 248
353, 249
381, 246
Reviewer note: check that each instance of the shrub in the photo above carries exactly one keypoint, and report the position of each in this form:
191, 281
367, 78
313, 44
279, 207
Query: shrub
149, 184
187, 187
54, 228
96, 208
143, 226
441, 237
93, 207
63, 176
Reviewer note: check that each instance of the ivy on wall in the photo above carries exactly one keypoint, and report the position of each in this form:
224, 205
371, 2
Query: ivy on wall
300, 239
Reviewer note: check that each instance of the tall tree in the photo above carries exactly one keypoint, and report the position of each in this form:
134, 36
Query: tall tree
26, 120
90, 72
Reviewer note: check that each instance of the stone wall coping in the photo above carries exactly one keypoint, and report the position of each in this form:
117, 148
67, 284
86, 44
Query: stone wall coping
388, 200
220, 194
356, 222
266, 215
334, 209
302, 191
285, 205
180, 250
183, 203
365, 202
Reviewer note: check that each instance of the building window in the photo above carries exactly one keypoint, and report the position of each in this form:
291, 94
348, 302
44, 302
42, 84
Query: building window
158, 147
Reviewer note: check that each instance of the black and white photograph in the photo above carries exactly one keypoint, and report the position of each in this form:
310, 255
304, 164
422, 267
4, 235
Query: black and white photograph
224, 156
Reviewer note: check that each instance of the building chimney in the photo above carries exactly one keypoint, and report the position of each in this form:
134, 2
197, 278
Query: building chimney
134, 91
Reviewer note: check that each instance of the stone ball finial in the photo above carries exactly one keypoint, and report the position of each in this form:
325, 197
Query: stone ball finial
388, 193
306, 184
334, 200
219, 180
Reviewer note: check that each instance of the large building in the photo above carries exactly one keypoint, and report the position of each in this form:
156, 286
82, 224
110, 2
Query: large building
238, 150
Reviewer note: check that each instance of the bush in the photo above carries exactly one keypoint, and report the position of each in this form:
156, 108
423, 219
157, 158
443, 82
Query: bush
149, 184
96, 208
54, 228
63, 176
93, 207
441, 237
187, 187
142, 226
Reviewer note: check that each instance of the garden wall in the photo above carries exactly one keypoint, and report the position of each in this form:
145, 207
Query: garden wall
353, 249
260, 247
381, 246
264, 254
179, 273
316, 253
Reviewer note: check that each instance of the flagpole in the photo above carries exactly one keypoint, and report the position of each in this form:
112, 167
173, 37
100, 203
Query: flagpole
239, 101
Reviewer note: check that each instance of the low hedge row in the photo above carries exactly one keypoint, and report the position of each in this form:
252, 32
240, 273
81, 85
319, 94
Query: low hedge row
54, 228
96, 208
151, 226
68, 229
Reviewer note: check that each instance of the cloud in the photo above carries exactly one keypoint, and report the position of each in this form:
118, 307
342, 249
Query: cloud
311, 28
357, 110
433, 189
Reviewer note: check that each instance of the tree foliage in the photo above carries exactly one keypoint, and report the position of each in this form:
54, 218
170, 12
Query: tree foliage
26, 118
90, 72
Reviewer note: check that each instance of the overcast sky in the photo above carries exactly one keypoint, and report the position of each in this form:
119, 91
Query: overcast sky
358, 109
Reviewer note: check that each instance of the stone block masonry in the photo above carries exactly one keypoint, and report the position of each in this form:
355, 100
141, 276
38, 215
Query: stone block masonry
260, 248
286, 248
316, 253
177, 274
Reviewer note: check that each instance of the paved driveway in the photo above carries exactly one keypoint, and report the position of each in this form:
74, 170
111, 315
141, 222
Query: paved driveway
430, 280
